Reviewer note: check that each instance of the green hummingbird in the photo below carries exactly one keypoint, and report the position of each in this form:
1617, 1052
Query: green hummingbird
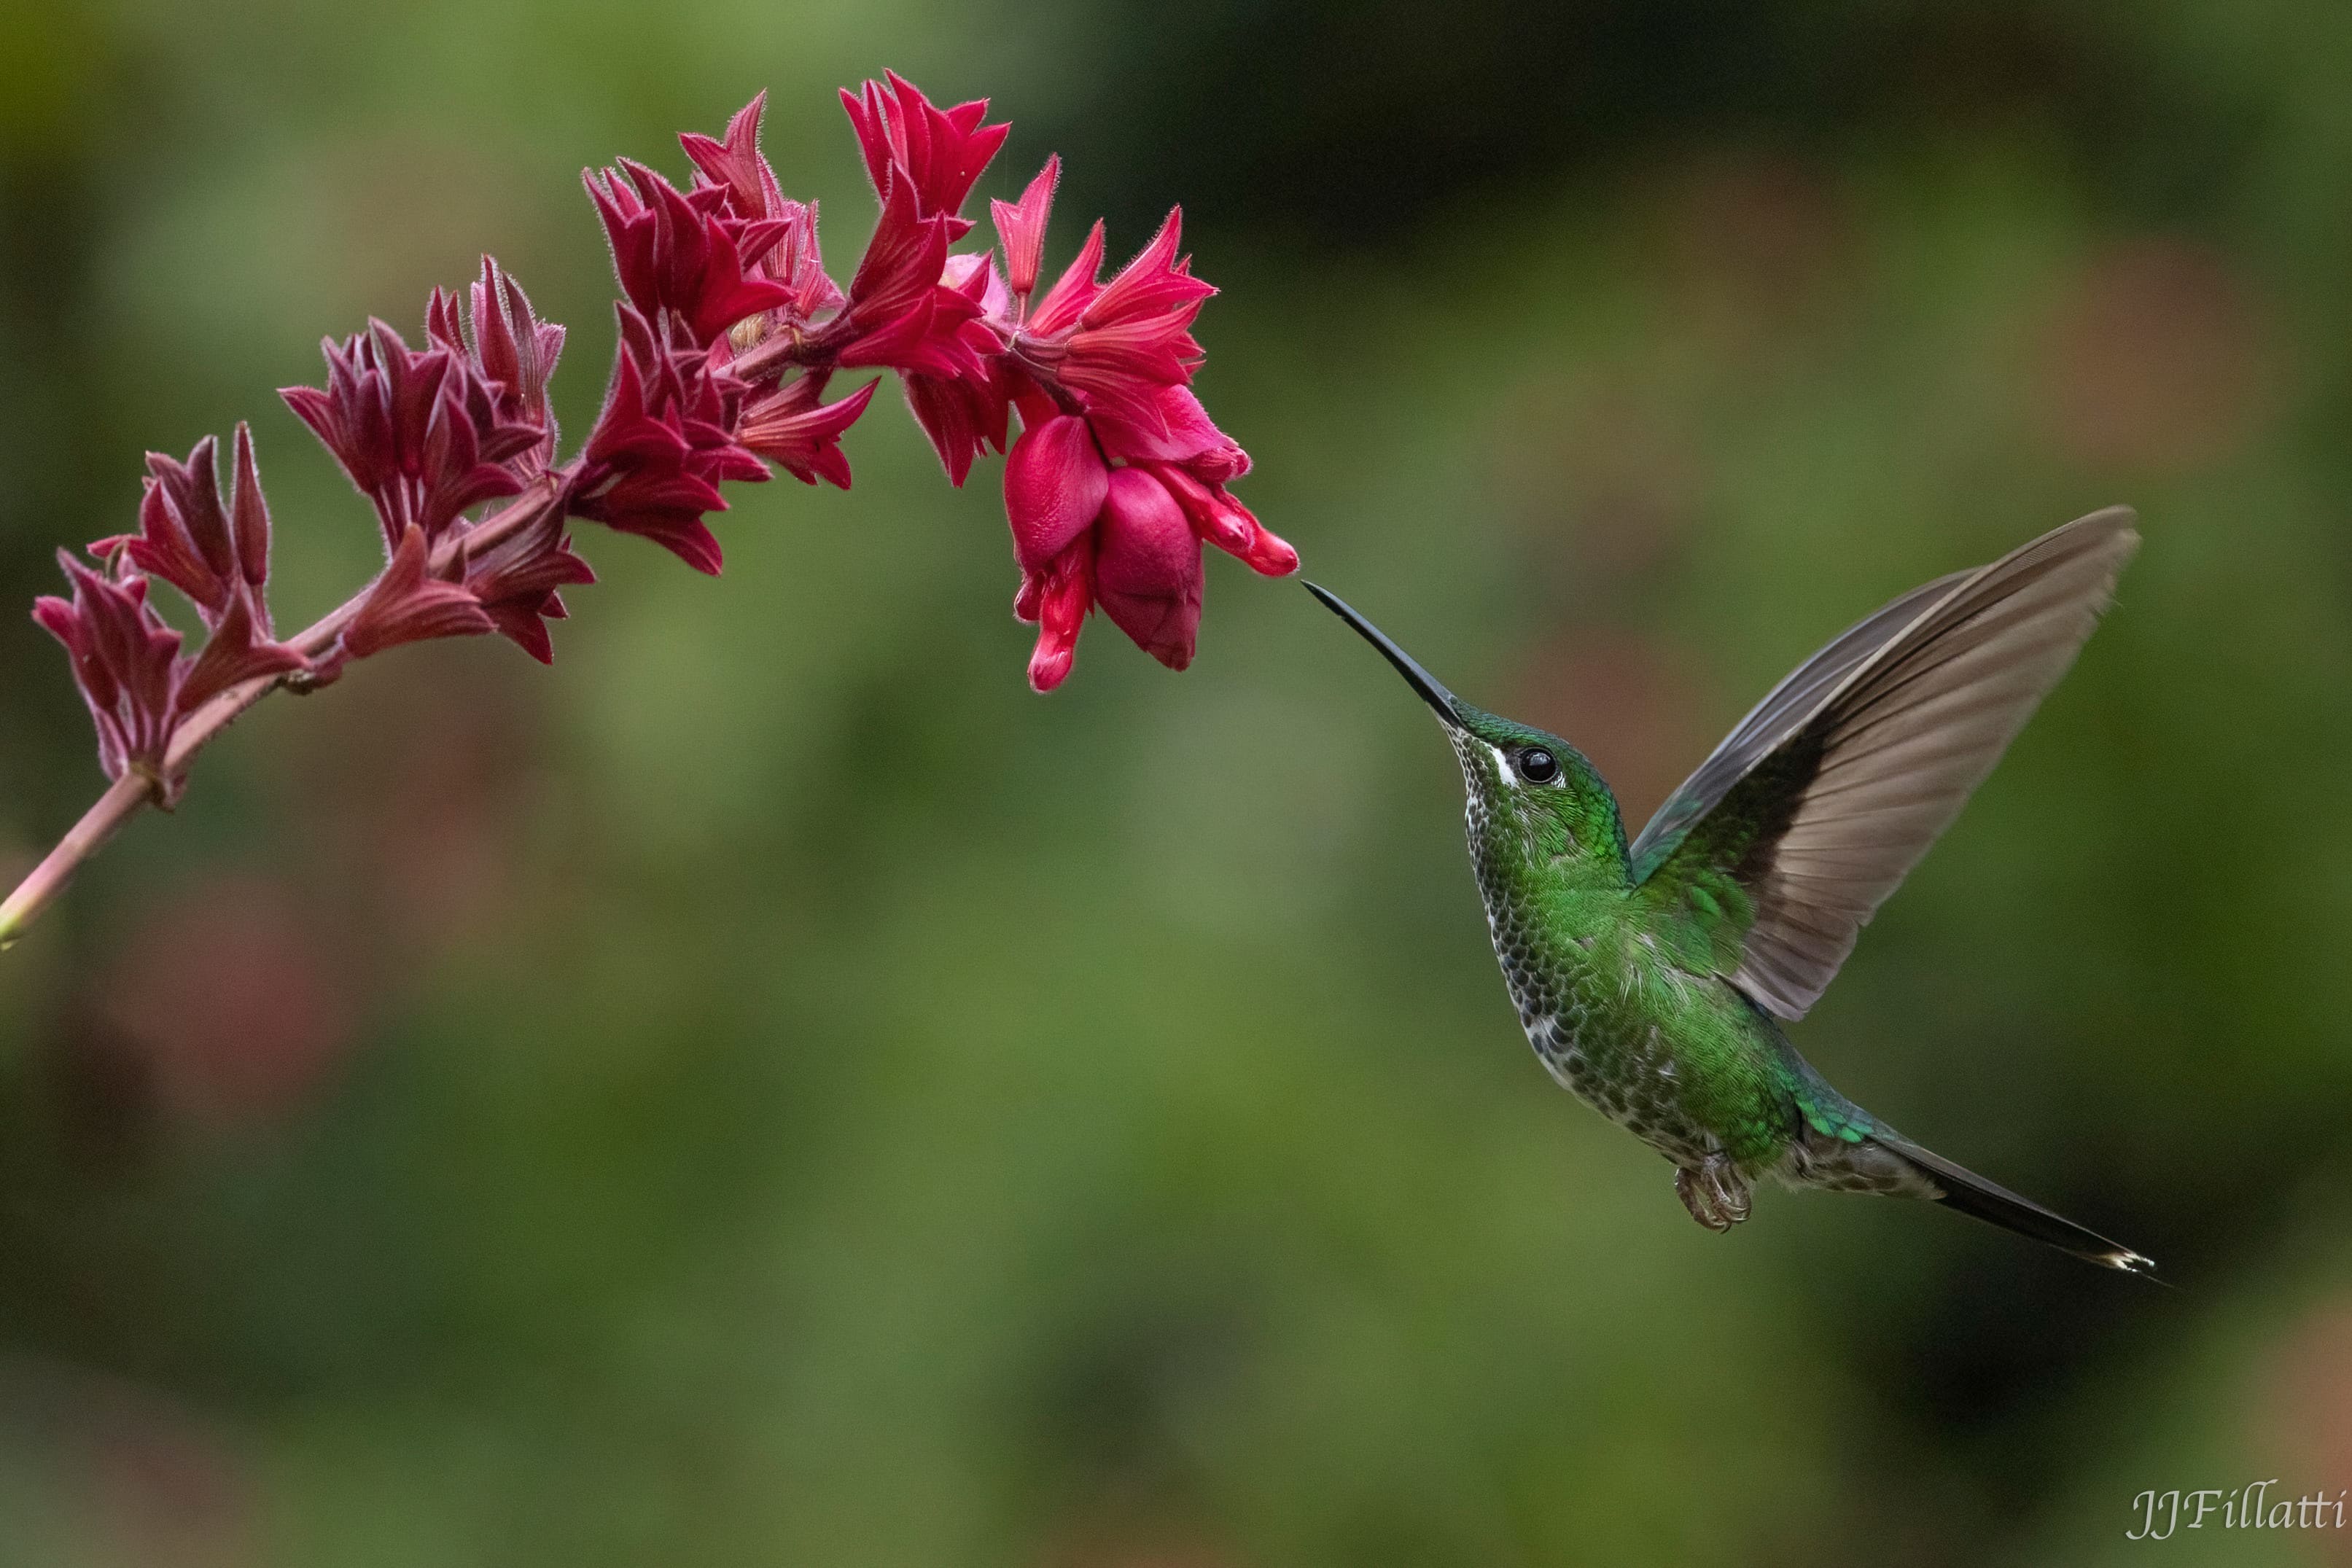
1653, 977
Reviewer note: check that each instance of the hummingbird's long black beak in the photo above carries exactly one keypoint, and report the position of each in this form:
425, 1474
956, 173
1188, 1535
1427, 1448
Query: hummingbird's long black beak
1449, 712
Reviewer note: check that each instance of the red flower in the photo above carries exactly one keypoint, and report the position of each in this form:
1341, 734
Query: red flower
910, 307
1118, 344
737, 168
683, 255
1022, 226
126, 661
967, 411
791, 428
408, 604
1148, 567
1054, 482
1100, 369
1056, 597
730, 334
512, 350
238, 649
517, 581
187, 538
1087, 534
936, 154
219, 557
735, 259
902, 313
426, 435
666, 436
422, 434
1195, 459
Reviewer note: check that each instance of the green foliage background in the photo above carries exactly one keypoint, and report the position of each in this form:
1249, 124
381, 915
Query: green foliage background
770, 1090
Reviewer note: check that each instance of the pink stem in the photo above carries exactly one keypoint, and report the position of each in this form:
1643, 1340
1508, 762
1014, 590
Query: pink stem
127, 795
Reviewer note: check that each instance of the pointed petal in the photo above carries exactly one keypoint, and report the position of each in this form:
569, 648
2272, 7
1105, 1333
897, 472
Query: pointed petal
407, 606
252, 515
1065, 594
1075, 290
234, 653
1021, 225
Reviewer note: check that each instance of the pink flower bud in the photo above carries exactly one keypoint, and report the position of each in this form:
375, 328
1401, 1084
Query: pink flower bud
125, 660
1148, 567
1177, 429
1054, 485
1022, 226
1225, 523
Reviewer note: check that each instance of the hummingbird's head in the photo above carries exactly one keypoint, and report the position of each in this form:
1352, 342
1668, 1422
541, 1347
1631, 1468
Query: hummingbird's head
1530, 792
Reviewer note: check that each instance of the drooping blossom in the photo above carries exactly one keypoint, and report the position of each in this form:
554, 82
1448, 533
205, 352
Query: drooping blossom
1148, 567
731, 337
1115, 360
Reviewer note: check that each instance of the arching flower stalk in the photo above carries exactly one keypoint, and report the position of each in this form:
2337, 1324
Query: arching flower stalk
730, 334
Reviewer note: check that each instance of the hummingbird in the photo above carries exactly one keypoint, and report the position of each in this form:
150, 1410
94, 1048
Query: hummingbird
1653, 977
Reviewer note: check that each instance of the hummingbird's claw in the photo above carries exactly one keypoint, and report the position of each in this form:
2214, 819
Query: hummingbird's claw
1714, 1192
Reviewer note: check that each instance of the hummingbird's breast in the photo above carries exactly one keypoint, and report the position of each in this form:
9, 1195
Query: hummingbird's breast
1600, 1004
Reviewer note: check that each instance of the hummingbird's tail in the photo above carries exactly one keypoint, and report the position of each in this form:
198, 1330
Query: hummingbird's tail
1960, 1188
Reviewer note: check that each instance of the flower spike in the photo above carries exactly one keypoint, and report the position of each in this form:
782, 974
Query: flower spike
731, 335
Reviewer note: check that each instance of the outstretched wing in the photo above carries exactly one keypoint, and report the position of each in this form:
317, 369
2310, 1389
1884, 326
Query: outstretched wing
1789, 837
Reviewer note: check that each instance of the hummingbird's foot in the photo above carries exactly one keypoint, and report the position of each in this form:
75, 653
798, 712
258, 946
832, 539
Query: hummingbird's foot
1713, 1192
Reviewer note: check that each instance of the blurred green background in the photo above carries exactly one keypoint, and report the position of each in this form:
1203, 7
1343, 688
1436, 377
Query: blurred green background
770, 1090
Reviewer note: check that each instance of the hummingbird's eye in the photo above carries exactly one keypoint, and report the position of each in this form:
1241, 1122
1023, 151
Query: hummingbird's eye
1537, 766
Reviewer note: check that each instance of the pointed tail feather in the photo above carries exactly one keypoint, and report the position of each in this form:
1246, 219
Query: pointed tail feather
1962, 1189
